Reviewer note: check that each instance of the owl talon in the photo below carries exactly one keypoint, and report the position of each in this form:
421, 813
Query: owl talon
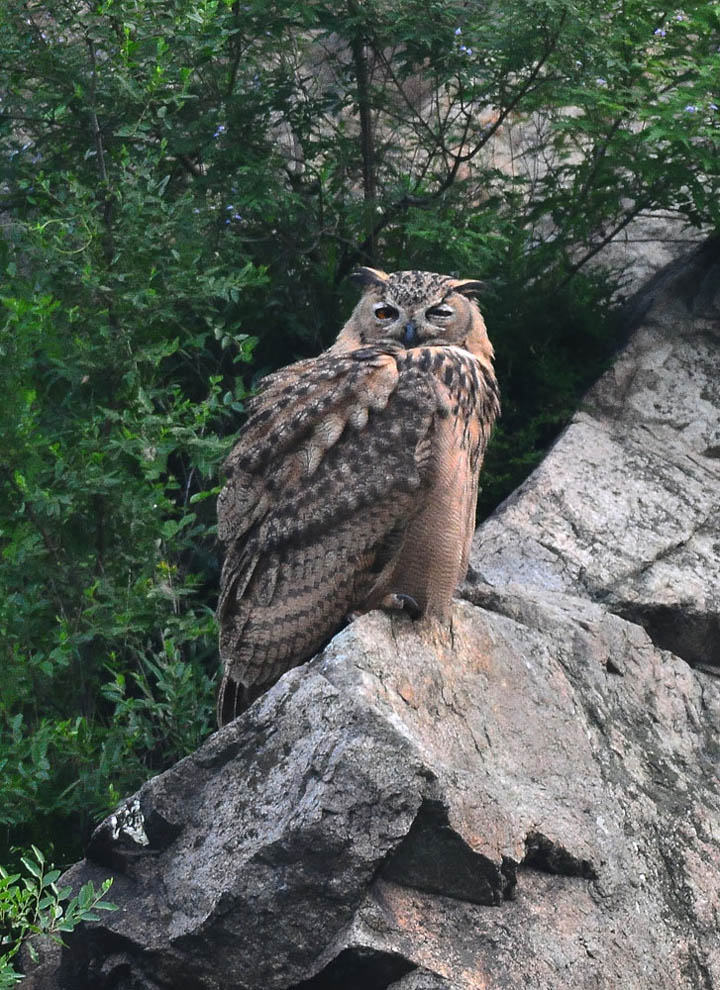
406, 603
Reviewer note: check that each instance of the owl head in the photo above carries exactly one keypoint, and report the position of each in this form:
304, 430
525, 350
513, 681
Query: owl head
415, 309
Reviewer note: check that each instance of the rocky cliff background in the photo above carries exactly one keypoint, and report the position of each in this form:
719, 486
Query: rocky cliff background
528, 799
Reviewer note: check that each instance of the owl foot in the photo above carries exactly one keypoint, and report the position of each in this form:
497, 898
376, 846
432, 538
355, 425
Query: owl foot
395, 602
399, 602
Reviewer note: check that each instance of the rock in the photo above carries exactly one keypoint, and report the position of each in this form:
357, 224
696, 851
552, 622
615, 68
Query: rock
649, 243
532, 801
527, 799
625, 509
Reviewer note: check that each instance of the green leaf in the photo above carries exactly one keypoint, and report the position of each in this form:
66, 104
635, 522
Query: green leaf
32, 867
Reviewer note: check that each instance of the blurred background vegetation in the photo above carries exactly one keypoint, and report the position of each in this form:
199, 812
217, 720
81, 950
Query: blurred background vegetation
184, 187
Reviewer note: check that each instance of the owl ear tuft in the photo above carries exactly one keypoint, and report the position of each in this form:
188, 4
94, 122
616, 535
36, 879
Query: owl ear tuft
369, 277
467, 286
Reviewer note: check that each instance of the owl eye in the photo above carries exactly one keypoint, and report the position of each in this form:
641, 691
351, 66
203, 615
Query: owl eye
385, 312
442, 311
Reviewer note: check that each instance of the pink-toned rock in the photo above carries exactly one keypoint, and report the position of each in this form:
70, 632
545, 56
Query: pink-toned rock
542, 812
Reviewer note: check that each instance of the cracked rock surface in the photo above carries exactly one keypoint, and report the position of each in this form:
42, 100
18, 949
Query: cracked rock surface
625, 509
529, 799
496, 806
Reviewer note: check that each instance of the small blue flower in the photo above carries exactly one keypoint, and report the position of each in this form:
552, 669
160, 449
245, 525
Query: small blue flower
690, 108
600, 81
220, 129
679, 17
713, 106
660, 32
236, 216
458, 31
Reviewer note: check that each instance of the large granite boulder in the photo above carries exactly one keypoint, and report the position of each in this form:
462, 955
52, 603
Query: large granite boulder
532, 800
529, 798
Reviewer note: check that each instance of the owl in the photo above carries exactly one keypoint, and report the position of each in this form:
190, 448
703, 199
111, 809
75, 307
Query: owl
354, 481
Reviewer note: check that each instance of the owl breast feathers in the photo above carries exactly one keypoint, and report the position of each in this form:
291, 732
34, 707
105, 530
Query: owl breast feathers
354, 481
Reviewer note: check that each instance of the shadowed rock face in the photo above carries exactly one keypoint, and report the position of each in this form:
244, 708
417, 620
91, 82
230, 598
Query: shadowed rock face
530, 799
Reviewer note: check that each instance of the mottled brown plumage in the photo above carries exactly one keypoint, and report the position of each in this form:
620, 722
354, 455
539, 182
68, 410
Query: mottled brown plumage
353, 484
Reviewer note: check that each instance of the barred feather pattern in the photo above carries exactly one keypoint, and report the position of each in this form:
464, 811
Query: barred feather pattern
355, 478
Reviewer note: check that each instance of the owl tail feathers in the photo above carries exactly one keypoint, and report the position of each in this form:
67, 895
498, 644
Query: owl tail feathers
234, 698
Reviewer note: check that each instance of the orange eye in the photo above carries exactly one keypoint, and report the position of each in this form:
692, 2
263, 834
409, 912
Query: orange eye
385, 312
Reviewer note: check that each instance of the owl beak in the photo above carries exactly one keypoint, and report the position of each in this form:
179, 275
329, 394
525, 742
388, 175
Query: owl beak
410, 335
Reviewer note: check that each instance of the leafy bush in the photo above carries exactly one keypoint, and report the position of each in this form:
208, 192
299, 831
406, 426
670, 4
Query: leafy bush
184, 187
32, 905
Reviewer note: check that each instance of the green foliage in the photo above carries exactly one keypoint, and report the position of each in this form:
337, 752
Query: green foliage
184, 187
31, 905
122, 357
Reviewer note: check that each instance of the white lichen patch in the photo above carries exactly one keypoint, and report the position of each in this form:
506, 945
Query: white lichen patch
129, 821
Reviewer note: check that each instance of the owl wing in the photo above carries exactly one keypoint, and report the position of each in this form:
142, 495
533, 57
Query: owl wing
328, 474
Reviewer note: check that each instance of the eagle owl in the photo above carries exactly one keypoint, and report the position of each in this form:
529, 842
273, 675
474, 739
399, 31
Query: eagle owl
354, 481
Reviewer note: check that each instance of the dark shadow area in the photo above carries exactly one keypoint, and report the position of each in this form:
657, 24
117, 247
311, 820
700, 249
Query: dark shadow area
692, 636
359, 968
434, 858
548, 857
